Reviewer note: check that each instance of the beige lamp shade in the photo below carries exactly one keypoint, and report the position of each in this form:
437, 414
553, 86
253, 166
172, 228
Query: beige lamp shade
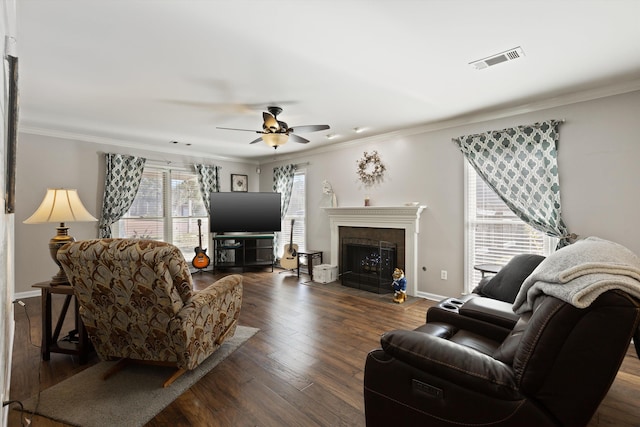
60, 205
275, 139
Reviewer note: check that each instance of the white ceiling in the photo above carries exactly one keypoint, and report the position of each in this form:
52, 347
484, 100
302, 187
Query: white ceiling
148, 72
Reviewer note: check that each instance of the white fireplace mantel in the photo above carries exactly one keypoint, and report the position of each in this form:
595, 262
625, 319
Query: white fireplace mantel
403, 217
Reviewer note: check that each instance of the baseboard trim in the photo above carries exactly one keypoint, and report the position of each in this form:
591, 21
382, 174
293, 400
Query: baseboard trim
27, 294
430, 296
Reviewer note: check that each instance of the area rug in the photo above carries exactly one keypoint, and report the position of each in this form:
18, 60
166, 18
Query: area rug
132, 397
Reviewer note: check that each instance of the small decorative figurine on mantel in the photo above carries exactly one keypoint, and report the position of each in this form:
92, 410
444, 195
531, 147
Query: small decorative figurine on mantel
329, 199
399, 286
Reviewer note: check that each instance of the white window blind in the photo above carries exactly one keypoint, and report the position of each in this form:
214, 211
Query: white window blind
493, 233
297, 212
167, 207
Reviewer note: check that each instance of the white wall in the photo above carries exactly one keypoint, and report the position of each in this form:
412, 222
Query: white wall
54, 162
598, 158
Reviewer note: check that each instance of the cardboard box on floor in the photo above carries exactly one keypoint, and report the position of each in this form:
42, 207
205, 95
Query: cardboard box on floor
325, 273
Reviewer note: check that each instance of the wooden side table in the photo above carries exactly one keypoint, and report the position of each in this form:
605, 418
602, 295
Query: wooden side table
310, 255
50, 336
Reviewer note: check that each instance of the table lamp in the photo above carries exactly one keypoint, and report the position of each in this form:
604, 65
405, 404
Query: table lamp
60, 205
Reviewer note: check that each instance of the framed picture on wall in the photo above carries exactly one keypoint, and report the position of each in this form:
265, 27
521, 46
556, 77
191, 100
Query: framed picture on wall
239, 182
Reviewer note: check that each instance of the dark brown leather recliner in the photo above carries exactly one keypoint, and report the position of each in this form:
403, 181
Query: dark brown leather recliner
469, 365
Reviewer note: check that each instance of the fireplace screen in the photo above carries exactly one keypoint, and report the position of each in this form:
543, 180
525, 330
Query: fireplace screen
368, 264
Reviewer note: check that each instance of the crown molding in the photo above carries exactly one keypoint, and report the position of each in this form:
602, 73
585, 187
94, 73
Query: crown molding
462, 120
140, 146
472, 118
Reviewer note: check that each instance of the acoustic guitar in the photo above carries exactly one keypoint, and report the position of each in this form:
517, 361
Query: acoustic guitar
289, 259
201, 260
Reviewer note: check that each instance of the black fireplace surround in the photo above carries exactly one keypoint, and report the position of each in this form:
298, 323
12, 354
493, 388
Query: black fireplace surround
368, 264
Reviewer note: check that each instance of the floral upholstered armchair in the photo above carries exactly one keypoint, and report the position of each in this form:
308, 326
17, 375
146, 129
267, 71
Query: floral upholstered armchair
137, 302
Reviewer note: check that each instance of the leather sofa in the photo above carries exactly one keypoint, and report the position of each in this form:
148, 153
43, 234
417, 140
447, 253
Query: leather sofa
475, 363
490, 301
505, 284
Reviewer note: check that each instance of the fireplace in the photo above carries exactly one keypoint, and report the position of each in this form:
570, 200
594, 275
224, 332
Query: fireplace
404, 220
368, 256
367, 264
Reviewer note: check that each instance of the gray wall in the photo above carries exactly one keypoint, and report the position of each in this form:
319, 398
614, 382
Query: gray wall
598, 156
59, 162
599, 176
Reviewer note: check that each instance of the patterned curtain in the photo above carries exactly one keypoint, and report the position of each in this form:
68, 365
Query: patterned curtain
208, 178
283, 184
122, 180
520, 165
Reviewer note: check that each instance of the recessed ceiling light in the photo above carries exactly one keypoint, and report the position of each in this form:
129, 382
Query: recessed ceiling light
359, 130
332, 136
188, 144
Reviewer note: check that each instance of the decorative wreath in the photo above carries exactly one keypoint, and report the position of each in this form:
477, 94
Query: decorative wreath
370, 168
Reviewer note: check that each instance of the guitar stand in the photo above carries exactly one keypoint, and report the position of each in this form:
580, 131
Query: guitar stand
290, 270
201, 270
287, 270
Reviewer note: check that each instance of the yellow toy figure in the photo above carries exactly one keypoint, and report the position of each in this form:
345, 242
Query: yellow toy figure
399, 286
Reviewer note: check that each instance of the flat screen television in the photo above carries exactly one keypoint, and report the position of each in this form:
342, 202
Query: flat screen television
247, 212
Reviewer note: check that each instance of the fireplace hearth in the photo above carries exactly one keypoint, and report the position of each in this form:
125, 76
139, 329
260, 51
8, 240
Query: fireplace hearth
368, 264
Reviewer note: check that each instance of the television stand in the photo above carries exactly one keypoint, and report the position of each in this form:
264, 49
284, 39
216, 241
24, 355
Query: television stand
242, 251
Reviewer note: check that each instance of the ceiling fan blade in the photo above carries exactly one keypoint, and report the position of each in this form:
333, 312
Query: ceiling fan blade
244, 130
270, 122
277, 129
309, 128
297, 138
283, 126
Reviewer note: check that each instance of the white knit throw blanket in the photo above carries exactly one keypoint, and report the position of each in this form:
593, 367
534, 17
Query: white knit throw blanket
579, 273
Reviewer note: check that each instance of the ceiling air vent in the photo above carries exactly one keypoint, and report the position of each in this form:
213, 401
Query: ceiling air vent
507, 55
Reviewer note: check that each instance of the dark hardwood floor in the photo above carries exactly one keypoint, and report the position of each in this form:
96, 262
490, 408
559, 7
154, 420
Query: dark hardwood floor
304, 367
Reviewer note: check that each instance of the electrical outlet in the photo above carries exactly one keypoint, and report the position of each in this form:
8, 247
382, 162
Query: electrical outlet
443, 274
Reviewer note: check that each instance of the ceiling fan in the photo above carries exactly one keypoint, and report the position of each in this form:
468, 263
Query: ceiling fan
276, 132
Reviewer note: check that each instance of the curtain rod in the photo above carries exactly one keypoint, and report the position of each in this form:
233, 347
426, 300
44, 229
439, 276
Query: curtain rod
169, 164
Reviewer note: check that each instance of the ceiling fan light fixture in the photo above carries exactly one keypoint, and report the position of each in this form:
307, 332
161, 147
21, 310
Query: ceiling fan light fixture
276, 132
275, 139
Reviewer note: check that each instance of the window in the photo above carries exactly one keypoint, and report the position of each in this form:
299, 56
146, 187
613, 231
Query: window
167, 207
494, 234
297, 212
